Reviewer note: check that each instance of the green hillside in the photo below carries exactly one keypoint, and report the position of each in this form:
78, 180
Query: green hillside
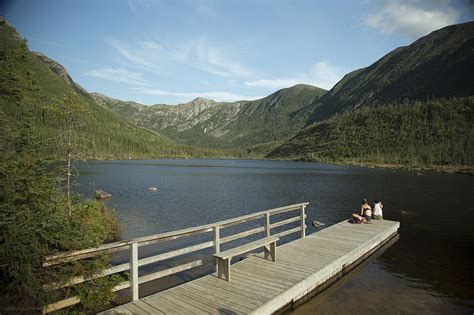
436, 134
437, 65
255, 126
37, 89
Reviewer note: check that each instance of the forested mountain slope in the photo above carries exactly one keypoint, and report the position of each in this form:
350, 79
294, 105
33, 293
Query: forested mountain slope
436, 134
440, 64
37, 90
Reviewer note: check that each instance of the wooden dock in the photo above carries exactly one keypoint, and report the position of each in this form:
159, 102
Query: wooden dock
260, 286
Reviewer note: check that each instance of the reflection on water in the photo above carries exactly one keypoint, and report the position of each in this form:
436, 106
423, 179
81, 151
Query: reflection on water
429, 268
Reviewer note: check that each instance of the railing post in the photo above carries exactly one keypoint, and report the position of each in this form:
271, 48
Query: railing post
302, 223
134, 270
266, 224
217, 244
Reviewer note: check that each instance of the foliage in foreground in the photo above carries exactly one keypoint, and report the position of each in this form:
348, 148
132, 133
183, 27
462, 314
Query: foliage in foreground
34, 222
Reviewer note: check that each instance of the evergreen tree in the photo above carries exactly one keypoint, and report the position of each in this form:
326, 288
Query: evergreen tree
34, 222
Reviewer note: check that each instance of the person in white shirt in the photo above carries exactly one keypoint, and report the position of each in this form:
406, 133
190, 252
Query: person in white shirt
378, 214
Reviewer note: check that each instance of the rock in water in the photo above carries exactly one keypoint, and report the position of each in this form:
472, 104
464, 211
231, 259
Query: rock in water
152, 189
318, 224
100, 194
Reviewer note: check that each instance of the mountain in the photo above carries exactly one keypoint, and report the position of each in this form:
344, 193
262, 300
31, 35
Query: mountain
437, 65
38, 91
256, 126
412, 107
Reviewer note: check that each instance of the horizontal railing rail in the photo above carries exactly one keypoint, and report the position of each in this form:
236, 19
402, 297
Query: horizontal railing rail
134, 263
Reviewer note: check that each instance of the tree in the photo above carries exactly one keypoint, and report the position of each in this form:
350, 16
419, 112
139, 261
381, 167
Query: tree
33, 224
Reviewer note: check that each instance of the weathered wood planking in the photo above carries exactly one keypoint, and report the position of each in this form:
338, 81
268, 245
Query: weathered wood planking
259, 286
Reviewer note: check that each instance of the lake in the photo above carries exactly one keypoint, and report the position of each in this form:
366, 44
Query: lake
429, 269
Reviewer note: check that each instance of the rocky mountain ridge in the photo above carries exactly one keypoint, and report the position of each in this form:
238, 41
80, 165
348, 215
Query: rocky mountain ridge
205, 122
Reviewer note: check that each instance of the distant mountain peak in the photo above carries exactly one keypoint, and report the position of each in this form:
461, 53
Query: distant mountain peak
202, 99
196, 106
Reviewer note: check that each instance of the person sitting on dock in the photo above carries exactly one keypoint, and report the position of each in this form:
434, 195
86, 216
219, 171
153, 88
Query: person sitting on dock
366, 210
378, 206
356, 219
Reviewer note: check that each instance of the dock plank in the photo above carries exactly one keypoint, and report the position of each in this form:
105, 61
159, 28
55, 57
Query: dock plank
277, 268
239, 287
133, 308
147, 307
262, 282
288, 265
227, 302
229, 294
260, 286
203, 303
162, 305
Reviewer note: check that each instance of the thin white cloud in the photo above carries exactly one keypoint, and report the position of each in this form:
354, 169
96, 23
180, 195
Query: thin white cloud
143, 55
412, 19
211, 59
119, 75
321, 74
199, 54
217, 95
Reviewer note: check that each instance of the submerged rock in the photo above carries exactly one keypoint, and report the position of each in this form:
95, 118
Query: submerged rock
100, 194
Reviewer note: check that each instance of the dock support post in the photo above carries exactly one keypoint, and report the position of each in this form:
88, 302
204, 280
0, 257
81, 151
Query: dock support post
134, 270
302, 223
217, 247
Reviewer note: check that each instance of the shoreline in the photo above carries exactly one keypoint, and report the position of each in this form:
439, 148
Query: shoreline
450, 169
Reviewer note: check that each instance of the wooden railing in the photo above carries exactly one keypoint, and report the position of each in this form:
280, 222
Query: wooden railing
133, 245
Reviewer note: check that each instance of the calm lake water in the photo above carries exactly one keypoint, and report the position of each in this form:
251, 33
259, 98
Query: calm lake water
429, 269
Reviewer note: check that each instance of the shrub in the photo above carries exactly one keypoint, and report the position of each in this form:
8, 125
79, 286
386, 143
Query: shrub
34, 222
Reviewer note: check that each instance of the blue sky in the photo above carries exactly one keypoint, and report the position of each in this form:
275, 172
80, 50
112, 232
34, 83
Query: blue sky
173, 51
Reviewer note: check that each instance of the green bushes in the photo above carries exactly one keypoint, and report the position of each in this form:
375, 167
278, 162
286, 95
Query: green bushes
34, 222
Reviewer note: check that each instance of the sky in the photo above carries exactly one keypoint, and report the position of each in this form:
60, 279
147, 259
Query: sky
169, 52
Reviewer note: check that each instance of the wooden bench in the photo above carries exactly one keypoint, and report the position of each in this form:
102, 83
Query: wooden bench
224, 258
